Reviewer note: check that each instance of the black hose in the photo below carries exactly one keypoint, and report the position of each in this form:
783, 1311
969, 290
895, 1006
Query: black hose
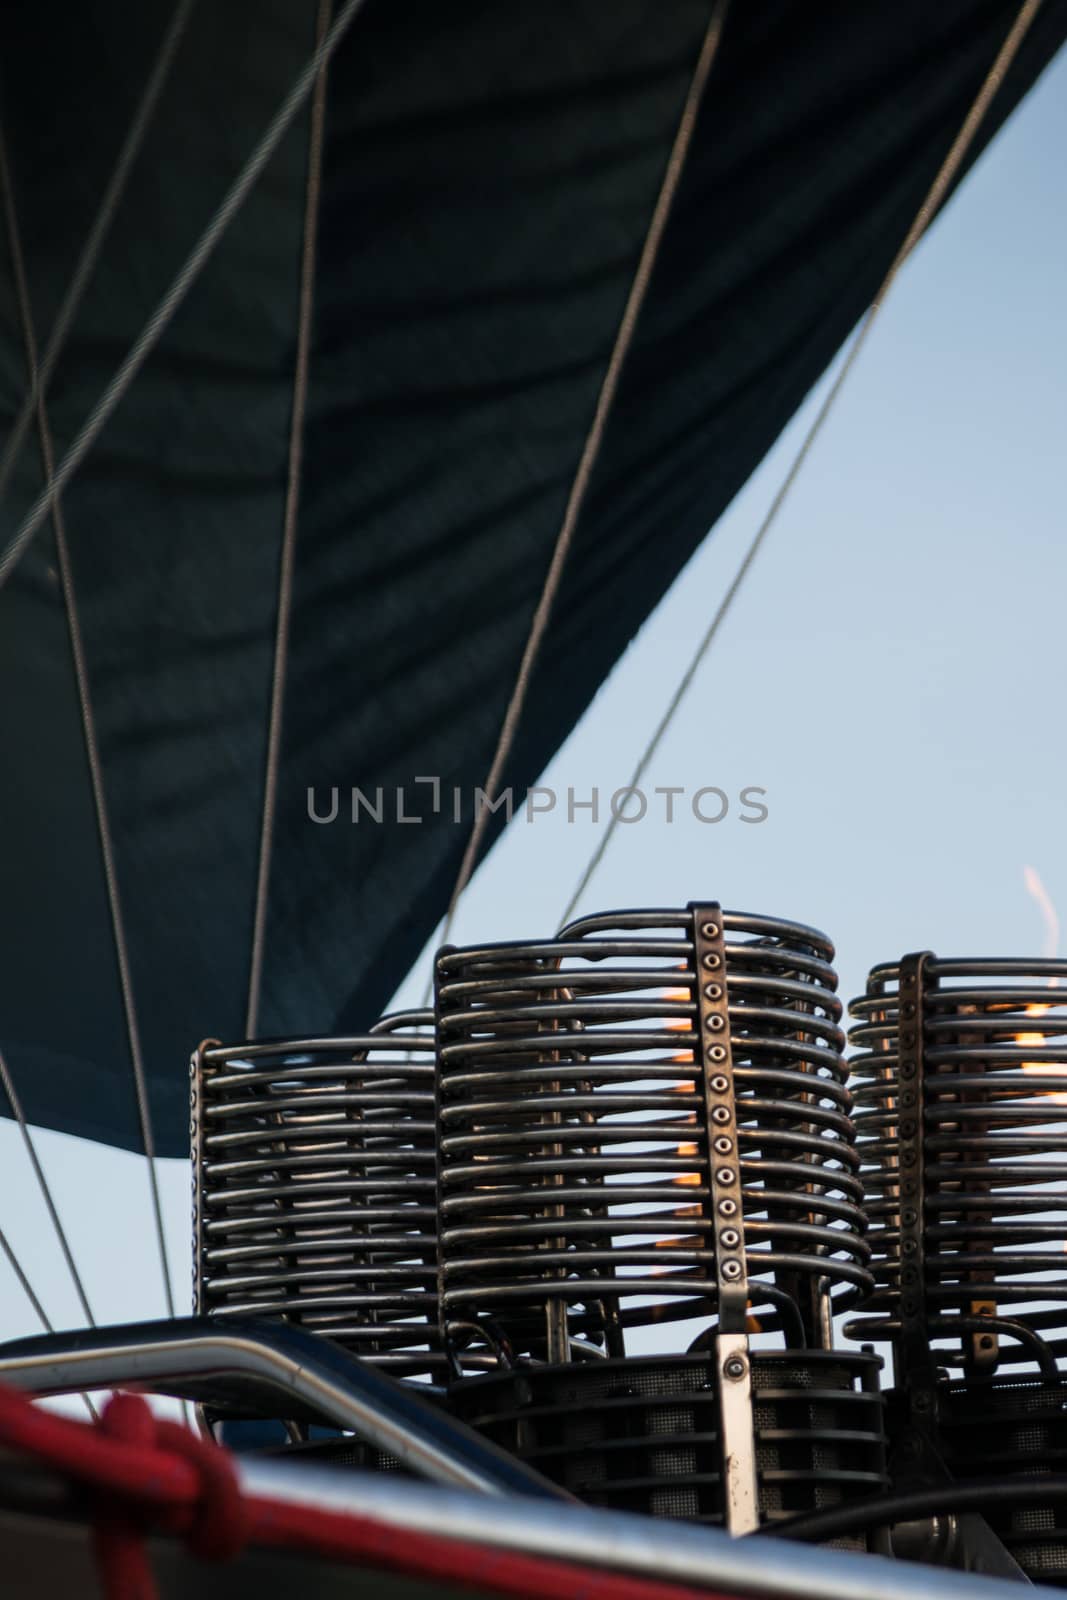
937, 1500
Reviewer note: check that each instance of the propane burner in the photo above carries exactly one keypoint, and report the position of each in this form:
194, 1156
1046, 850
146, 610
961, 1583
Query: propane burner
314, 1182
961, 1115
643, 1125
960, 1087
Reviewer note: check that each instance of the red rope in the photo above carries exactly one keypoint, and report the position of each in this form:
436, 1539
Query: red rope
147, 1475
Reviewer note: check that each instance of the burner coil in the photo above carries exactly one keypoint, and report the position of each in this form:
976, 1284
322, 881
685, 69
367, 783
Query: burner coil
314, 1188
961, 1116
585, 1128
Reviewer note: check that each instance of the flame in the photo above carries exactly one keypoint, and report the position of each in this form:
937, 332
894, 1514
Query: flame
1036, 888
1044, 1069
687, 1180
679, 1025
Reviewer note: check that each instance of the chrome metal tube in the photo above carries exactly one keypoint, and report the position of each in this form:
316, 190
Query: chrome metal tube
270, 1366
671, 1551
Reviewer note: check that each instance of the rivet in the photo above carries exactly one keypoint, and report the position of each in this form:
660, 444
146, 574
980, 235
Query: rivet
719, 1083
730, 1238
734, 1368
710, 930
727, 1207
725, 1175
723, 1145
716, 1023
716, 1052
711, 960
720, 1114
713, 991
731, 1268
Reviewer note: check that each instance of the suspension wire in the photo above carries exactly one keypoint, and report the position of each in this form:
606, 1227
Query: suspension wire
160, 319
15, 1102
9, 1250
292, 507
95, 771
18, 268
591, 450
96, 236
931, 204
39, 1311
6, 1079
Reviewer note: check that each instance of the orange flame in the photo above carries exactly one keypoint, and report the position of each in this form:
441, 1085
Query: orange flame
679, 1025
1036, 888
687, 1180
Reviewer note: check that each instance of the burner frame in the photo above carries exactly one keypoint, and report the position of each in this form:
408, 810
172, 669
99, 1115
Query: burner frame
527, 1043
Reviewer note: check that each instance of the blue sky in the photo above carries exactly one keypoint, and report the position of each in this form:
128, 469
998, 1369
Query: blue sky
889, 674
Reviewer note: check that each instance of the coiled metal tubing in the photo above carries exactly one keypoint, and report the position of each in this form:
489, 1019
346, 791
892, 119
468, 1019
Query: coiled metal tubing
314, 1187
576, 1194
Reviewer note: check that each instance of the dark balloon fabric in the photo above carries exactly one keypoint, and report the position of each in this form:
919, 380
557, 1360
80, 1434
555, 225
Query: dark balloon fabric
489, 172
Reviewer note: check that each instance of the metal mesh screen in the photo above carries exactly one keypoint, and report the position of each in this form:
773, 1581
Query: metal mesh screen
643, 1434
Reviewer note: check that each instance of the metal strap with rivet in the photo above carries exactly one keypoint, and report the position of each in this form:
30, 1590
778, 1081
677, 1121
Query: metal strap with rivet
725, 1213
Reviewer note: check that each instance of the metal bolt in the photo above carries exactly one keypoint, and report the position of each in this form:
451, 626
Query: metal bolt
725, 1175
734, 1368
712, 990
731, 1268
720, 1114
719, 1083
710, 930
723, 1145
